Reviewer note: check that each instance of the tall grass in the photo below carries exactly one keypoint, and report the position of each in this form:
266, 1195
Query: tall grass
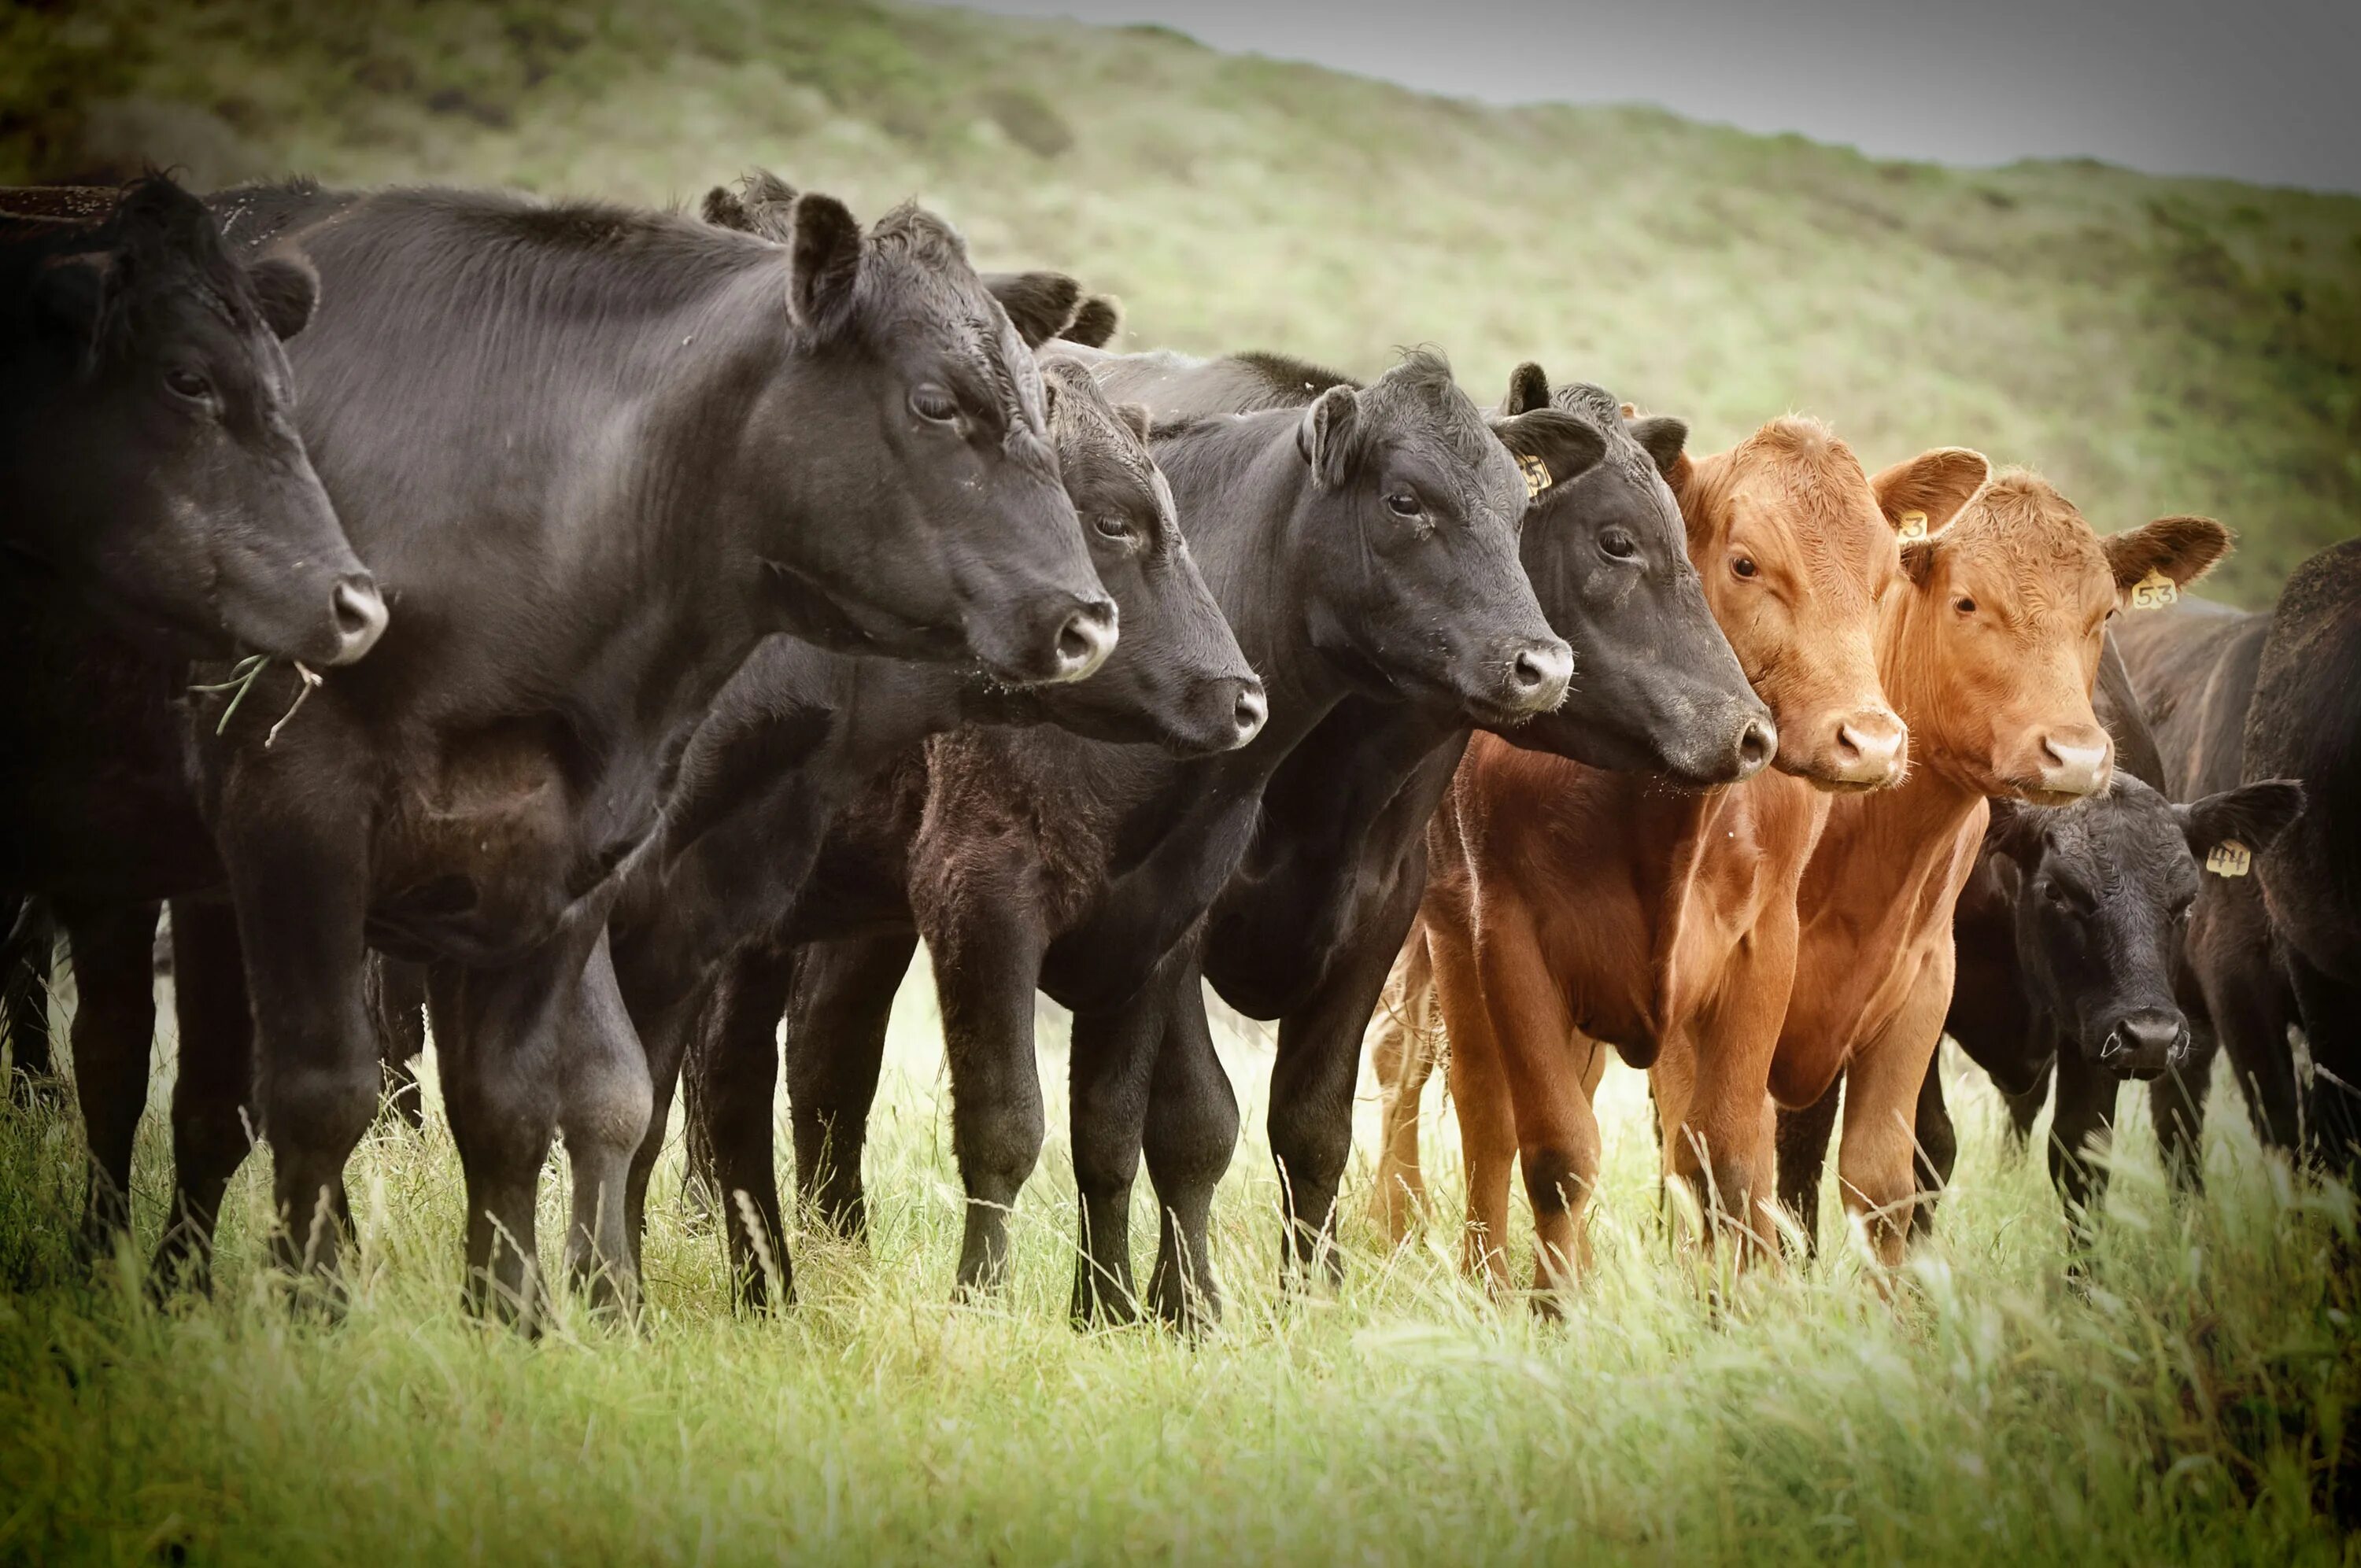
2192, 1404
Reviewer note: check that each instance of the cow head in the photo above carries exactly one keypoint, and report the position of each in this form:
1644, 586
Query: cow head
1411, 524
1603, 546
910, 417
2001, 630
1178, 677
153, 459
2102, 893
1796, 547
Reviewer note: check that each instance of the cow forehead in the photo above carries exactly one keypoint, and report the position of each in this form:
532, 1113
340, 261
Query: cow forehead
1802, 489
2024, 540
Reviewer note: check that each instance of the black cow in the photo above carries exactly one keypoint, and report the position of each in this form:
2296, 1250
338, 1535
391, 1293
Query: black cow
601, 454
1325, 862
1363, 544
148, 445
2236, 696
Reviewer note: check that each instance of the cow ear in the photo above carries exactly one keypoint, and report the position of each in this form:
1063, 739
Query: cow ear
723, 210
73, 292
824, 263
1662, 438
2182, 548
287, 290
1135, 417
1528, 389
1327, 436
1096, 320
2254, 815
1040, 304
2015, 832
1921, 495
760, 187
1918, 560
1550, 445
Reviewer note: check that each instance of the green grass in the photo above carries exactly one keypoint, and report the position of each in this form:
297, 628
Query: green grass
2153, 346
2193, 1406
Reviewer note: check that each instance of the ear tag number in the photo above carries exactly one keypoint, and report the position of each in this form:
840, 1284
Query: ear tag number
1537, 475
2154, 592
2229, 858
1914, 525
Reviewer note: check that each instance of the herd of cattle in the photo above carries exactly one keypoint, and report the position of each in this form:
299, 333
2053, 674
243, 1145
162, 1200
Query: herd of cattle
644, 628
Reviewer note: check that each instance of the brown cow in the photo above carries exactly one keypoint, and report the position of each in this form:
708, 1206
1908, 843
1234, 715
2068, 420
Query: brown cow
1567, 902
1989, 654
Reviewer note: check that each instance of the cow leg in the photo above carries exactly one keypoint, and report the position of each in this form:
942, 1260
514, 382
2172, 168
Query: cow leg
1191, 1139
1803, 1154
397, 1003
214, 1120
499, 1033
2330, 1011
27, 958
1478, 1083
734, 1062
665, 1033
114, 1030
1877, 1164
607, 1112
1719, 1146
2024, 1108
298, 867
2248, 996
2084, 1125
838, 1012
1313, 1079
1938, 1145
1402, 1051
1112, 1083
2177, 1102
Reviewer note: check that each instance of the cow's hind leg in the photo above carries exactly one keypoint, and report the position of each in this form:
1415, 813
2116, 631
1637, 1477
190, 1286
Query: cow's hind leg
1803, 1154
836, 1015
1403, 1045
27, 958
1191, 1139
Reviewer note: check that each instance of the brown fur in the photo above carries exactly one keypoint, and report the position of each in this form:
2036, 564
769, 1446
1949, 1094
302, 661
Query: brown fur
1568, 904
1982, 692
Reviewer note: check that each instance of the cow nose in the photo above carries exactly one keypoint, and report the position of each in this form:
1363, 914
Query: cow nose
1757, 744
1251, 711
1085, 640
2076, 762
1870, 748
358, 612
2144, 1044
1538, 675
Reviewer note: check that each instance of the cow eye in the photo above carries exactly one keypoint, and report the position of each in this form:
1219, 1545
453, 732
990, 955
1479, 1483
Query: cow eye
188, 383
1745, 567
933, 403
1110, 526
1965, 604
1401, 503
1618, 544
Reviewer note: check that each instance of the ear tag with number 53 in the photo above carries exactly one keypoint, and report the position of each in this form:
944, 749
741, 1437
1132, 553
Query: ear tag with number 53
1914, 525
2229, 858
2154, 591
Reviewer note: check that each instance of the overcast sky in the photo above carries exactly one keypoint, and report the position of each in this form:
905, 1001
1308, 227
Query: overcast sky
2261, 90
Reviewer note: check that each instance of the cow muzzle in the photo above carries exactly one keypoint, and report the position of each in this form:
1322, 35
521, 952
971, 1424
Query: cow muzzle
2145, 1045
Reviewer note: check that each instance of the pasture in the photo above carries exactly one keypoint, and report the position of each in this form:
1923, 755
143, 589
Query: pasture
2194, 1404
503, 796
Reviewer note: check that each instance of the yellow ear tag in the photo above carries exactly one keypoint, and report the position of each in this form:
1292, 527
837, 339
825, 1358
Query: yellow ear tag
1914, 525
1537, 475
2154, 592
2229, 858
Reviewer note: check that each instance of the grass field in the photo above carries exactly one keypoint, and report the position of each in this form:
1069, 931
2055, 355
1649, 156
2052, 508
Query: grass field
2194, 1405
2155, 345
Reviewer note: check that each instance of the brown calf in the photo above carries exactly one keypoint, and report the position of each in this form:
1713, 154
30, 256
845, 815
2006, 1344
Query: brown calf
1567, 904
1989, 651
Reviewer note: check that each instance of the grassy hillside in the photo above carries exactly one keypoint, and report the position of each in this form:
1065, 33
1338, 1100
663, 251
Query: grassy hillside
2153, 346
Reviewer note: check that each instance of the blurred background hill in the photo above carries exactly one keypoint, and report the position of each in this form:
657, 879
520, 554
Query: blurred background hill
2153, 345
